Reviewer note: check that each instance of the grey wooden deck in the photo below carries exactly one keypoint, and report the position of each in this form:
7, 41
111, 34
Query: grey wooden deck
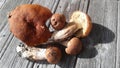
101, 47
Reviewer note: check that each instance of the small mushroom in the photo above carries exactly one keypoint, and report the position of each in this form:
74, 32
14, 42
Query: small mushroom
52, 54
27, 23
58, 21
84, 23
73, 46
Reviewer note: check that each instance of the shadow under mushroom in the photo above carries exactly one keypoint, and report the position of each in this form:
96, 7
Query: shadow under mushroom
99, 34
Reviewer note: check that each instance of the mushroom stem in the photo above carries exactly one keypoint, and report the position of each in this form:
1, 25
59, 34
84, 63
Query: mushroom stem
51, 54
64, 43
66, 32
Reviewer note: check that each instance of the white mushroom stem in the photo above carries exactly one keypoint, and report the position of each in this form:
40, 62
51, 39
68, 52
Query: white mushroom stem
52, 54
31, 52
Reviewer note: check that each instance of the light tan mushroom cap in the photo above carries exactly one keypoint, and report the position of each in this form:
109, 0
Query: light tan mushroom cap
83, 21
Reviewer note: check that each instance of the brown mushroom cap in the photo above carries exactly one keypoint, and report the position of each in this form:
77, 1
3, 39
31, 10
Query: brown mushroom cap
27, 22
84, 23
74, 46
58, 21
53, 54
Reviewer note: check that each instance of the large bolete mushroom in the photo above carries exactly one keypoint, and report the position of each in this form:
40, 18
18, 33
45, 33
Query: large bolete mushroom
27, 22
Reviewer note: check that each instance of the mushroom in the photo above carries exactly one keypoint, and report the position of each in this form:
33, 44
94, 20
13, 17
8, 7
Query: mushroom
79, 25
27, 23
84, 23
58, 21
65, 33
52, 54
73, 46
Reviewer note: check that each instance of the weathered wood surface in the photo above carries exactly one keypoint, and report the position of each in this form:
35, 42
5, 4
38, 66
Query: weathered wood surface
101, 47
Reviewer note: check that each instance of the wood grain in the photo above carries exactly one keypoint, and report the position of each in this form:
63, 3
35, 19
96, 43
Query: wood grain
100, 49
118, 39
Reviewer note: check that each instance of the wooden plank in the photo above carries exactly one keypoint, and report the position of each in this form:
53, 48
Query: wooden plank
49, 4
99, 47
86, 6
1, 3
8, 5
4, 35
118, 39
110, 21
10, 57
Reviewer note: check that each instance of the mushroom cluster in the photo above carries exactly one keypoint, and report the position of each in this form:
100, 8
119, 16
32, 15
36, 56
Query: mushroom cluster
79, 26
28, 23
